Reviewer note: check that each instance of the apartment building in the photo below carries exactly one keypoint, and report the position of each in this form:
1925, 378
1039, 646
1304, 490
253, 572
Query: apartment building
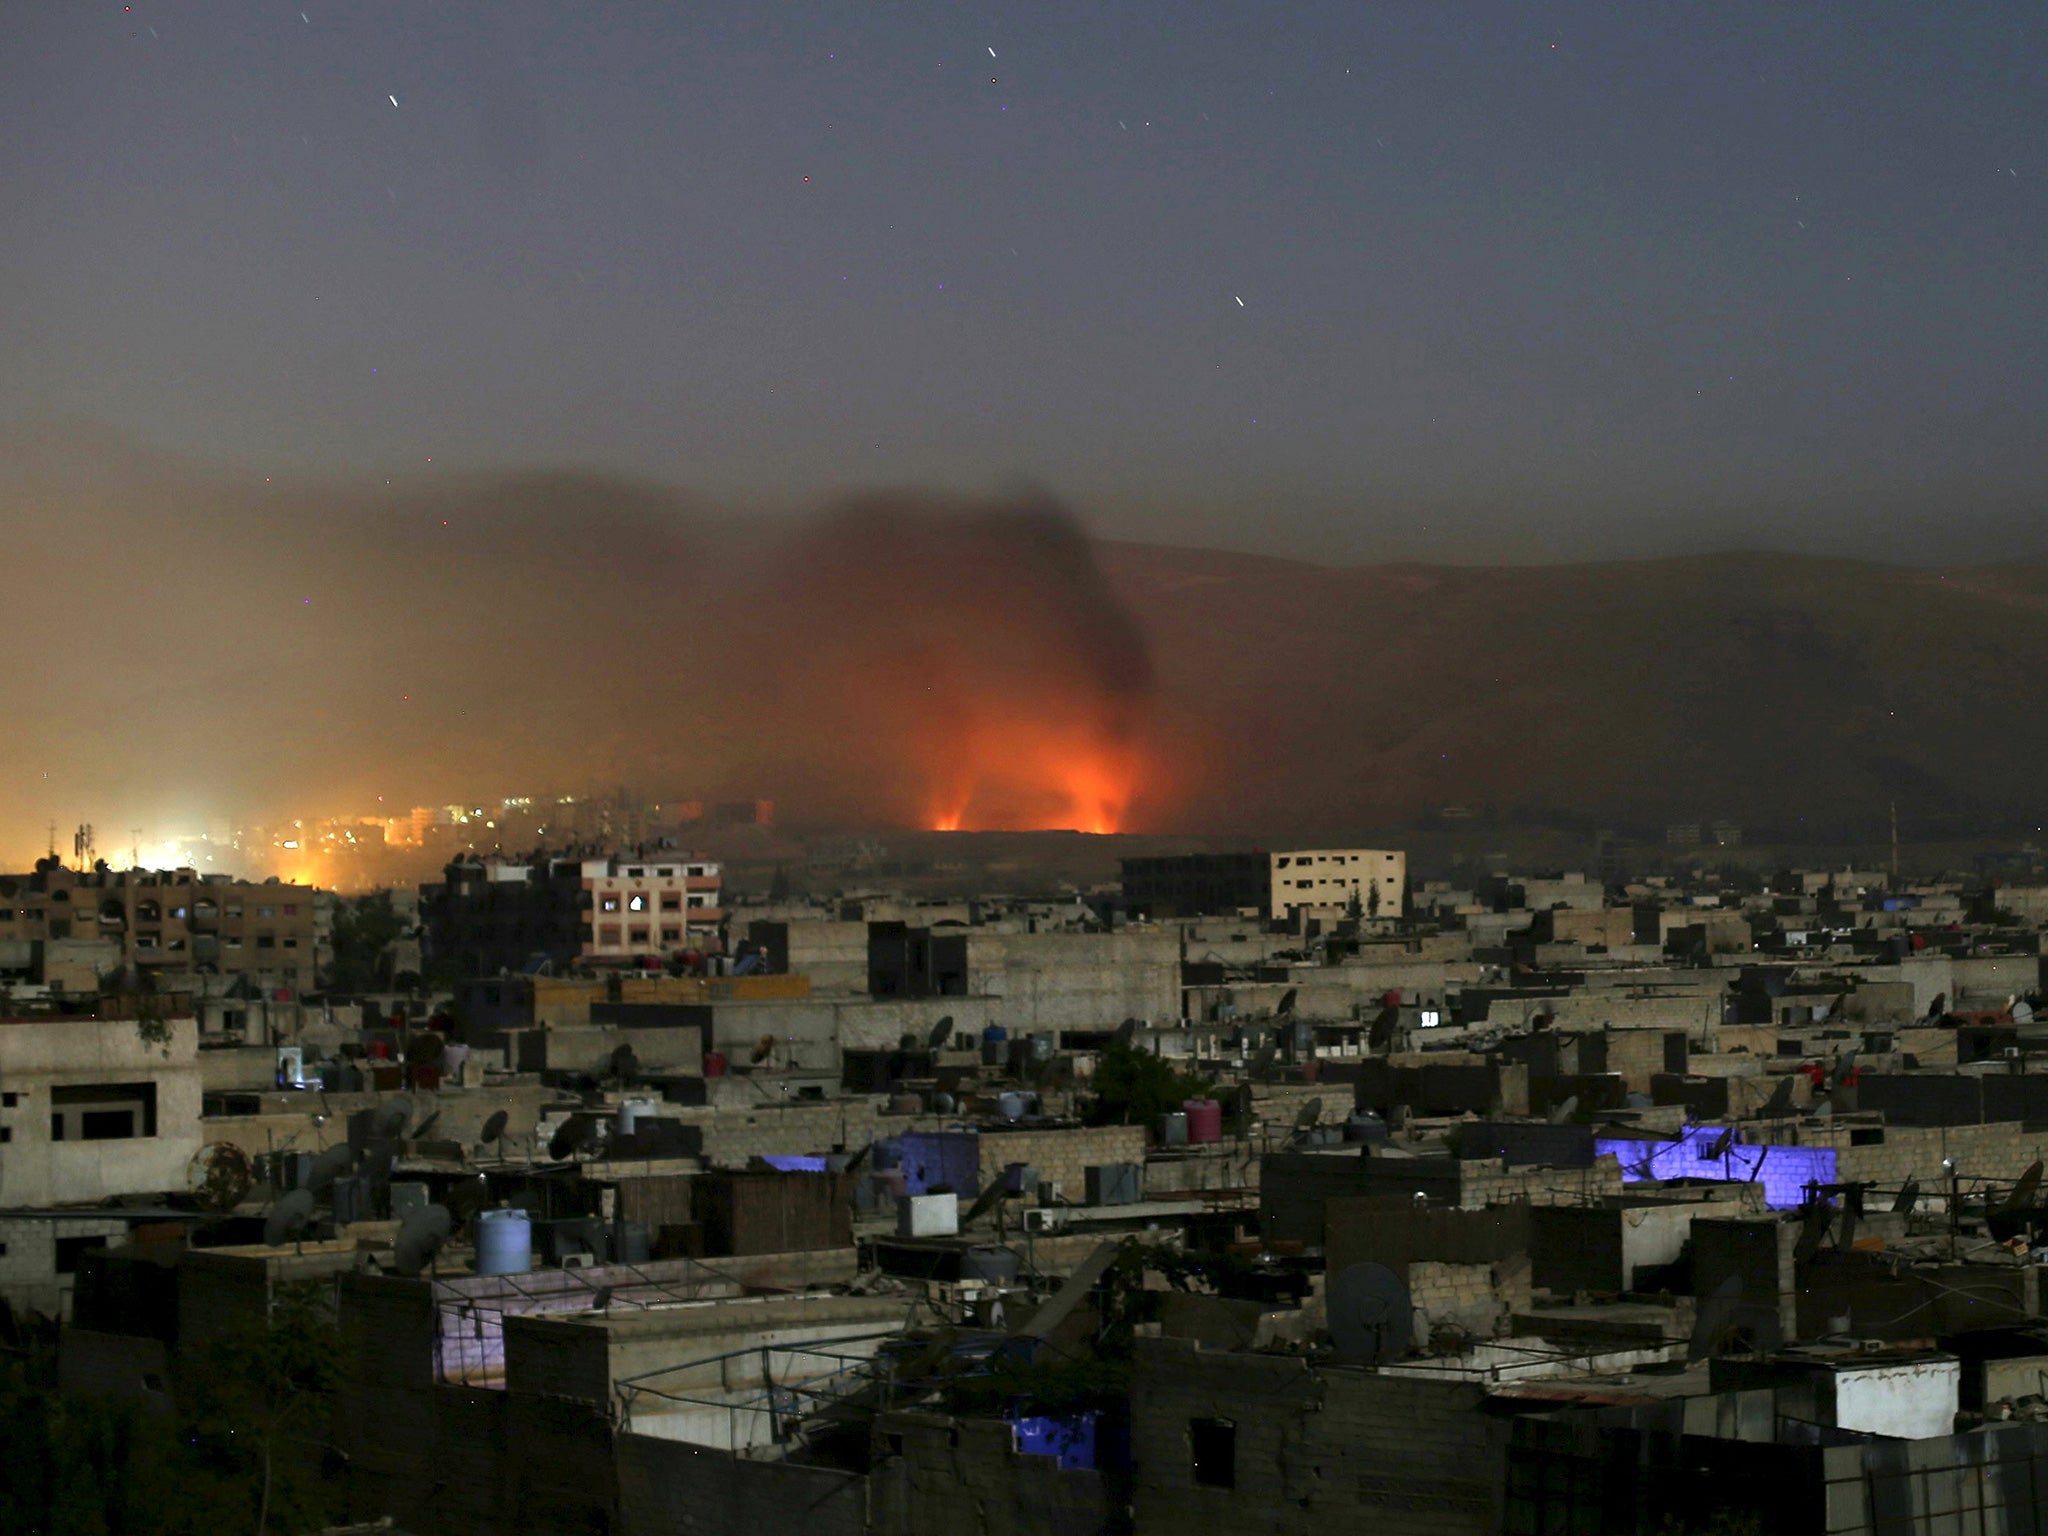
503, 914
173, 920
1334, 877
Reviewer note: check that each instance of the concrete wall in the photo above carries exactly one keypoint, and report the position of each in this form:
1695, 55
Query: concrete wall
1908, 1400
937, 1476
1318, 1449
38, 1056
669, 1488
1077, 980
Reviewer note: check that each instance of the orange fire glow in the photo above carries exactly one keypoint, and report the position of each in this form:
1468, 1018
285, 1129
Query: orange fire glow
1017, 776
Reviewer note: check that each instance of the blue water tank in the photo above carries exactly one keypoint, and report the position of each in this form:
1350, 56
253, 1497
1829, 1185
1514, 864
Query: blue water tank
504, 1243
995, 1046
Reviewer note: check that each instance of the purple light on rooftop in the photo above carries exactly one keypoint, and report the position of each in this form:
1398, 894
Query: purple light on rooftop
1783, 1171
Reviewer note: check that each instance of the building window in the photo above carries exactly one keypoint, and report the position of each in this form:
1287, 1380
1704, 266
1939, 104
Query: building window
266, 941
1214, 1443
290, 942
671, 901
70, 1248
148, 941
671, 935
232, 941
266, 912
637, 874
608, 936
609, 902
637, 902
232, 909
102, 1111
6, 1133
9, 1100
666, 874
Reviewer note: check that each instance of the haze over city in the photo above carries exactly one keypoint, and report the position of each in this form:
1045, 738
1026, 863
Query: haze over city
521, 400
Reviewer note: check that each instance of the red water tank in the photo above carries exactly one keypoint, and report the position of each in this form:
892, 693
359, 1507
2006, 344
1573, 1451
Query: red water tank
1205, 1122
714, 1064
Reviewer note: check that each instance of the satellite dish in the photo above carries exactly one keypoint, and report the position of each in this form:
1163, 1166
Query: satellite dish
419, 1131
1780, 1101
1126, 1032
220, 1175
495, 1126
983, 1204
388, 1121
941, 1032
2025, 1192
328, 1166
288, 1218
571, 1136
1721, 1145
1306, 1117
1939, 1006
1909, 1196
763, 1049
600, 1298
1844, 1065
1813, 1230
378, 1162
854, 1162
1381, 1034
1371, 1317
420, 1237
942, 1104
1287, 1000
1560, 1113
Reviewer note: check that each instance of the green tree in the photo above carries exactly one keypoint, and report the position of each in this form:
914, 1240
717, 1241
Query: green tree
243, 1452
364, 931
260, 1395
1135, 1087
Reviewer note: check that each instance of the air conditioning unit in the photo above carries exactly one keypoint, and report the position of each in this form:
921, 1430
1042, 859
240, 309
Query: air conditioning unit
578, 1261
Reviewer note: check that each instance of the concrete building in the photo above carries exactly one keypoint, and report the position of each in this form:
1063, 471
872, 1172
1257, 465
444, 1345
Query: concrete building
1335, 877
503, 914
172, 920
91, 1109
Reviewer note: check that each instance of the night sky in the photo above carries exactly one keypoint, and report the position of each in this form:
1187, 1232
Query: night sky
1333, 280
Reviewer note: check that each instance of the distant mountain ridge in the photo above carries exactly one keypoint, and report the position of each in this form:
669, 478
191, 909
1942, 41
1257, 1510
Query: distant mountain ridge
1786, 692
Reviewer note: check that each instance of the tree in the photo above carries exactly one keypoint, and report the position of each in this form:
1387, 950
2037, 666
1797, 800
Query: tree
1135, 1087
258, 1394
364, 931
241, 1453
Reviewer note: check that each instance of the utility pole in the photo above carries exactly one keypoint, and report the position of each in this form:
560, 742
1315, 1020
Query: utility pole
1895, 845
135, 847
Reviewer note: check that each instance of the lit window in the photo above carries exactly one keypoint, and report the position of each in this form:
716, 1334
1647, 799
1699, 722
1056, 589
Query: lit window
637, 902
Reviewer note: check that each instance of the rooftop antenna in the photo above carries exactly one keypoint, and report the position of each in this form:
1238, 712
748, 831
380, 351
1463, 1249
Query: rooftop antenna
82, 846
1895, 845
135, 848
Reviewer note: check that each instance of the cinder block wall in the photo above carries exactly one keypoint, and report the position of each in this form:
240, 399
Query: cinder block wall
1062, 1156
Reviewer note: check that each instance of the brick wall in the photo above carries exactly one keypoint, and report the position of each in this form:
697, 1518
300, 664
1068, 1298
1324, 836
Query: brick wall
1062, 1156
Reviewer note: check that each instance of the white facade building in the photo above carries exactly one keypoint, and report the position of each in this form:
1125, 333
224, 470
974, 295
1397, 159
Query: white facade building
1332, 877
